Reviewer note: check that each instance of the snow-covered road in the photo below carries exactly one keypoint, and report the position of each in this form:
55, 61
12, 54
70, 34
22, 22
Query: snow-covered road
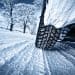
19, 56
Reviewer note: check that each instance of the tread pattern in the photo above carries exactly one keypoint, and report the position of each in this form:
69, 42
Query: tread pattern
64, 32
47, 36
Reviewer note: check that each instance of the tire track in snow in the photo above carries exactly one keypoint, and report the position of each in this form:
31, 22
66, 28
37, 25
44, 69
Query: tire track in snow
68, 52
8, 53
36, 66
33, 61
67, 48
7, 46
58, 64
19, 62
46, 65
69, 57
13, 61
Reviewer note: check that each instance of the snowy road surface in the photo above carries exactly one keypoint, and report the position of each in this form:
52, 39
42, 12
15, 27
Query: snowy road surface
18, 56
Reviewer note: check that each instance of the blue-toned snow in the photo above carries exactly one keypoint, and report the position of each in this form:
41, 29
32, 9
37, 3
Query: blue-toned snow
60, 13
19, 56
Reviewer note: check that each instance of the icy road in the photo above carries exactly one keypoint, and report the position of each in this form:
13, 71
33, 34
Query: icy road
19, 56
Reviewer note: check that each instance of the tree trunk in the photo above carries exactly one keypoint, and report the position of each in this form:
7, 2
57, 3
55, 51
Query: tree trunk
11, 9
24, 27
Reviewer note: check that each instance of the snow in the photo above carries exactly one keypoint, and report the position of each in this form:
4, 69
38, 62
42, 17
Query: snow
19, 56
21, 12
3, 21
60, 13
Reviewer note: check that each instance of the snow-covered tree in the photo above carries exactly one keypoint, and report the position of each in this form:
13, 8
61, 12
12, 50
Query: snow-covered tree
25, 12
22, 14
24, 26
38, 3
9, 6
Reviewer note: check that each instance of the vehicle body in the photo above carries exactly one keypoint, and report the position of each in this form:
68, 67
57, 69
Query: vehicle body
57, 18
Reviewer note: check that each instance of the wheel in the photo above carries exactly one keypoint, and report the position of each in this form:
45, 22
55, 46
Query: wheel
70, 33
47, 36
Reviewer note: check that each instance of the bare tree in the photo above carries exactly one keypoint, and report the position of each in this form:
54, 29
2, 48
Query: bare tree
25, 16
9, 5
11, 9
25, 22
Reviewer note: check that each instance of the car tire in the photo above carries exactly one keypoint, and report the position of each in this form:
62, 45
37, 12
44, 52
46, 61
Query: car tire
47, 36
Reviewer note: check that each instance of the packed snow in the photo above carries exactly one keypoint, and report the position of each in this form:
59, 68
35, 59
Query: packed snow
19, 56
